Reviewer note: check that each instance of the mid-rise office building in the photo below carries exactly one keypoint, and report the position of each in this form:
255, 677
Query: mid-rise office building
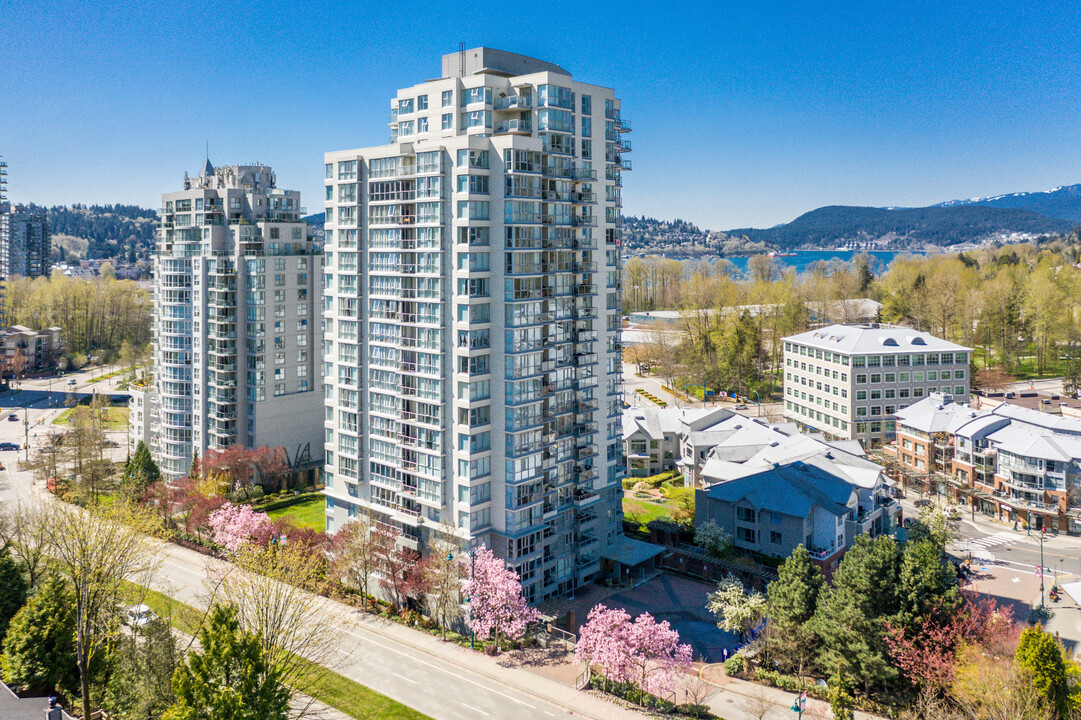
472, 318
236, 337
847, 381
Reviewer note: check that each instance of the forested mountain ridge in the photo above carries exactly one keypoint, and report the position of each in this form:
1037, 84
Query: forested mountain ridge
838, 225
121, 233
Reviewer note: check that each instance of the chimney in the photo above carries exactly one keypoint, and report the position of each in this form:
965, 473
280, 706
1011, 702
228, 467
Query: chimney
54, 711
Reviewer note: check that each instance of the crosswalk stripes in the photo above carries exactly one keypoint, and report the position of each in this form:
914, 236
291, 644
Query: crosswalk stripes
992, 540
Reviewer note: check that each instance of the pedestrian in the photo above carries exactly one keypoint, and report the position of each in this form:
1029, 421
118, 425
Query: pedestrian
725, 653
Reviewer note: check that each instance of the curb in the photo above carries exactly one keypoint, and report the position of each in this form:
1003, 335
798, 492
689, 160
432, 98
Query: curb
489, 675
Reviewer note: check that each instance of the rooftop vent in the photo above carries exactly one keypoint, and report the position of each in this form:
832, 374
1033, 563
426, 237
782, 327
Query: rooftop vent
916, 341
889, 341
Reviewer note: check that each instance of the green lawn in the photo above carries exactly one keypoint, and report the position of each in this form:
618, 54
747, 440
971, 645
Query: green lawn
117, 418
308, 514
336, 690
643, 510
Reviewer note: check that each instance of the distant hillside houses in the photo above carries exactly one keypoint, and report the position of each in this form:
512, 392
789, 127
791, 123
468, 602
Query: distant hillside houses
92, 268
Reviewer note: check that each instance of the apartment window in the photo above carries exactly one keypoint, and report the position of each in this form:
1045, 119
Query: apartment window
775, 537
861, 379
587, 104
448, 98
747, 535
422, 125
861, 394
473, 158
745, 514
422, 102
959, 390
347, 170
448, 121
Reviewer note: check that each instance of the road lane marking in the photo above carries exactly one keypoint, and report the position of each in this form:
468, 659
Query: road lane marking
415, 659
475, 709
403, 677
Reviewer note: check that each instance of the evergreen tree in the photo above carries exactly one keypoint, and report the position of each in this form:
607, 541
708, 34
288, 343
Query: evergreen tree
792, 599
928, 584
140, 472
1039, 653
849, 618
39, 650
840, 698
230, 677
12, 590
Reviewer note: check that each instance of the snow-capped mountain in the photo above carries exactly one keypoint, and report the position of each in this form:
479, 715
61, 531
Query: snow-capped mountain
1061, 202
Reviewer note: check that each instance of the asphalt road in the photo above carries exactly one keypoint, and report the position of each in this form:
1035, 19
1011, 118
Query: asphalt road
421, 681
424, 681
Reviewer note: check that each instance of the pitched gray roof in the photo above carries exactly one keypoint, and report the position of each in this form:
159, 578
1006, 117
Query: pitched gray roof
791, 489
937, 413
872, 339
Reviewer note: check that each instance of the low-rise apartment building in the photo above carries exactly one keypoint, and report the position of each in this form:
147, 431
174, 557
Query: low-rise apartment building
849, 381
1013, 463
763, 480
23, 350
657, 440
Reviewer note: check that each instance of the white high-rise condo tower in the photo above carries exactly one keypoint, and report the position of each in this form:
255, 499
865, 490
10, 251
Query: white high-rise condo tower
236, 339
472, 317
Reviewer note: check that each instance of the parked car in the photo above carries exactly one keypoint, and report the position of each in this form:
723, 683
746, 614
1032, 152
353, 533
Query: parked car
13, 418
8, 446
139, 615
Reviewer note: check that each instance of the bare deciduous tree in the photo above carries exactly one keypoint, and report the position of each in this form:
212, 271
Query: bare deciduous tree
101, 551
274, 590
444, 575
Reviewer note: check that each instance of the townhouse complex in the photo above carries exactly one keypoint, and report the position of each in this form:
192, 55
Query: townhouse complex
848, 381
236, 333
1010, 462
772, 489
472, 316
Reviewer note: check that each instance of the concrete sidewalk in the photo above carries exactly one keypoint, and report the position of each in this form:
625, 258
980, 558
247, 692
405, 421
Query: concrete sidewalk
742, 700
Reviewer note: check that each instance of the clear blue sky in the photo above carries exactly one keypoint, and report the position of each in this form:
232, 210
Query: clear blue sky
744, 113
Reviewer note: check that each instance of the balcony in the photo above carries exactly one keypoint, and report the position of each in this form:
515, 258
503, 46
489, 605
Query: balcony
624, 125
512, 102
584, 221
511, 127
584, 336
585, 499
582, 174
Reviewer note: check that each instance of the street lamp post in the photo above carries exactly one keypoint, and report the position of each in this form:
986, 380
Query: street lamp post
26, 434
1041, 570
472, 572
759, 404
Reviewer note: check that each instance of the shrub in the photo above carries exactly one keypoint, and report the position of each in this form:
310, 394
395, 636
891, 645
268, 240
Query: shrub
733, 666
